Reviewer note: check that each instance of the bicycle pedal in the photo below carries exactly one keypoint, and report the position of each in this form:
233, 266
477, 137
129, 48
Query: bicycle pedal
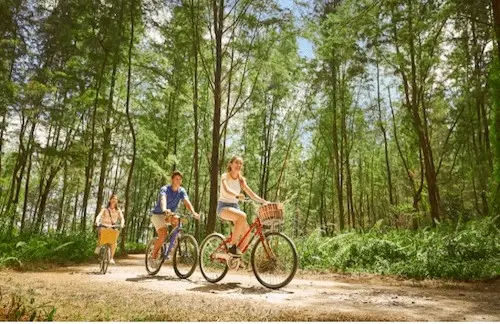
234, 263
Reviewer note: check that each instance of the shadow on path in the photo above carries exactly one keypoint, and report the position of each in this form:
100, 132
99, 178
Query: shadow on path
235, 287
142, 278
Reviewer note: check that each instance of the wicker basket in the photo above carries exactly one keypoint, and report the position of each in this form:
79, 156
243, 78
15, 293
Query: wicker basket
108, 236
271, 214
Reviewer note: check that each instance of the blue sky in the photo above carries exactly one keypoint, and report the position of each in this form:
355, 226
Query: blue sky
305, 45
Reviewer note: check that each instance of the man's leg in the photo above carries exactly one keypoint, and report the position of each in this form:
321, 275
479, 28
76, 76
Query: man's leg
160, 225
162, 235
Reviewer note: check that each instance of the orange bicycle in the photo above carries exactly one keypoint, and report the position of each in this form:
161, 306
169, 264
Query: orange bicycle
273, 258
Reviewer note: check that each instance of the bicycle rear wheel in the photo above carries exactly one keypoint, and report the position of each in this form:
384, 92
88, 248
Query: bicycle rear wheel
185, 256
274, 260
213, 265
153, 266
104, 257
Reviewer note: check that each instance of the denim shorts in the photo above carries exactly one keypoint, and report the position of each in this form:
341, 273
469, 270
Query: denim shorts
222, 205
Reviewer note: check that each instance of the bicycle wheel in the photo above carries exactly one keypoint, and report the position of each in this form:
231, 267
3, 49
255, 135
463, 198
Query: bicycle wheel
213, 265
274, 260
185, 256
104, 257
153, 265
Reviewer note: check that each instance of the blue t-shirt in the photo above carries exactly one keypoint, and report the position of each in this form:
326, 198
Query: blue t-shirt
173, 198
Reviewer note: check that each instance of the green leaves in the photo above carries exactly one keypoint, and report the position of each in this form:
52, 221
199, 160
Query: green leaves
471, 251
45, 248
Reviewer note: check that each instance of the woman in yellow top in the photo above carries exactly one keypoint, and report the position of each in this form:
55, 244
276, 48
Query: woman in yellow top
109, 216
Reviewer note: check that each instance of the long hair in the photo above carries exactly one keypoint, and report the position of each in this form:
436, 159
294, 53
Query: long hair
234, 158
109, 200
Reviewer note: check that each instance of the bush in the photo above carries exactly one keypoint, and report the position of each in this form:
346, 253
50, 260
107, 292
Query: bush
454, 251
134, 248
52, 248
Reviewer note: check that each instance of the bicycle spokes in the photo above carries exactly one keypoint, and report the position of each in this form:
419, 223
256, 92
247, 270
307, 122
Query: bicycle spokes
153, 265
213, 258
274, 260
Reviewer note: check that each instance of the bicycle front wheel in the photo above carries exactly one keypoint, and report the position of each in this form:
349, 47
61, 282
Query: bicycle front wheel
274, 260
185, 256
153, 266
104, 257
213, 256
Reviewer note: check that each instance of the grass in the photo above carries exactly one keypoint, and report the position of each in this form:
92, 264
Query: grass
17, 308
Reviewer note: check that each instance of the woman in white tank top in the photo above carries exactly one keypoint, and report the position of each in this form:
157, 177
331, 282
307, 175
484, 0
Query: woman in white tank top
231, 184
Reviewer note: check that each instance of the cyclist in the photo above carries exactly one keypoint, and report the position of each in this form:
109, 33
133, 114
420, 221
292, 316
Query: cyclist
232, 182
108, 217
166, 204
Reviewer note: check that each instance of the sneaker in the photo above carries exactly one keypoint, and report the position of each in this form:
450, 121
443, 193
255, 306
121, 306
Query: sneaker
112, 261
234, 251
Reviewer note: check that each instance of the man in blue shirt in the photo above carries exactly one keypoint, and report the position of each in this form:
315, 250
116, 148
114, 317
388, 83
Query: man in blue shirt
166, 204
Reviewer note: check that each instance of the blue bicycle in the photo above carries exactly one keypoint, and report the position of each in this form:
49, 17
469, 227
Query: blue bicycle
185, 252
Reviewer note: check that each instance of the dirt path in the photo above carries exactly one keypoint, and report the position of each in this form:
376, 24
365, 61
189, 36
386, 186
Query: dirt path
127, 293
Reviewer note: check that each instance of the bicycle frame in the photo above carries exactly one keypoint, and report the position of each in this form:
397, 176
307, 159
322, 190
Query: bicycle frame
257, 226
172, 237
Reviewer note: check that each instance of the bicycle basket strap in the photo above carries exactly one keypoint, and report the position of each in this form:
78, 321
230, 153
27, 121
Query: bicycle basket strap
110, 217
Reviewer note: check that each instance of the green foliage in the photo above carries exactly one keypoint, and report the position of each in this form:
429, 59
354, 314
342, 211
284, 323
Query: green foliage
134, 248
50, 248
453, 251
495, 94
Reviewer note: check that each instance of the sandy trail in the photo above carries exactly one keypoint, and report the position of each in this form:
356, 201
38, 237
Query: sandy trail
126, 292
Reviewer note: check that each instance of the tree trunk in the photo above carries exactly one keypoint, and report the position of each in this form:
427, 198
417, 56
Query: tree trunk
384, 133
218, 12
496, 111
337, 160
61, 216
196, 166
106, 140
131, 126
89, 168
26, 191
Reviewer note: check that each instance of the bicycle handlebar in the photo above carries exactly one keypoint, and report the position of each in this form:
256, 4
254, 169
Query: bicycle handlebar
249, 200
179, 215
112, 226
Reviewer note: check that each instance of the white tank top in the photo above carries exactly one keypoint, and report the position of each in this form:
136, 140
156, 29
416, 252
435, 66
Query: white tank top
233, 185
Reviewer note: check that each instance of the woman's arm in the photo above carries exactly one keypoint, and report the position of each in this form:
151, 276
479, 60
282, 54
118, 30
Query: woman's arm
250, 192
99, 217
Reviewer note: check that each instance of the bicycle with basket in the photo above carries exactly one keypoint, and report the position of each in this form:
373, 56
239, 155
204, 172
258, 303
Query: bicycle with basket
108, 236
273, 257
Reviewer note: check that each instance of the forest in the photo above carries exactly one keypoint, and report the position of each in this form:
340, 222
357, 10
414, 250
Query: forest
375, 122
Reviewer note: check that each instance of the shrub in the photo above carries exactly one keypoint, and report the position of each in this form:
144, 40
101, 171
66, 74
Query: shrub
457, 251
